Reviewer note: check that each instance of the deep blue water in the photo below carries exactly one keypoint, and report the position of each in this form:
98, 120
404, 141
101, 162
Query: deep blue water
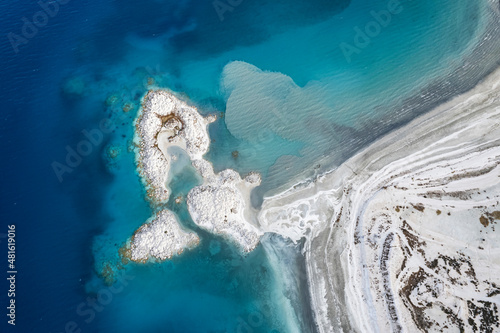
93, 57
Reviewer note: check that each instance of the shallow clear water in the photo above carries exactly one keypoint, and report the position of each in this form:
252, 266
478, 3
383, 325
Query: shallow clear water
288, 100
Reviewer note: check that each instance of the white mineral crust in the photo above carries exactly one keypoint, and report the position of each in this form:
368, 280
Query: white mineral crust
161, 238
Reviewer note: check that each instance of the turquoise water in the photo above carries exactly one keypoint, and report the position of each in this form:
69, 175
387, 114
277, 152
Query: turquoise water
286, 100
289, 102
213, 288
294, 98
290, 95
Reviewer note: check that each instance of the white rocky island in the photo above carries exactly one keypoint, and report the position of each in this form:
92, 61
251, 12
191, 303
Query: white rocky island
403, 237
161, 238
221, 205
166, 121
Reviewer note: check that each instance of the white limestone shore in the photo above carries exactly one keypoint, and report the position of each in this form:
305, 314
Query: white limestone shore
221, 205
401, 237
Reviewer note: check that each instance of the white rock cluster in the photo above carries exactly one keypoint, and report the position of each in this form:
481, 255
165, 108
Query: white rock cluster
166, 121
161, 238
221, 205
